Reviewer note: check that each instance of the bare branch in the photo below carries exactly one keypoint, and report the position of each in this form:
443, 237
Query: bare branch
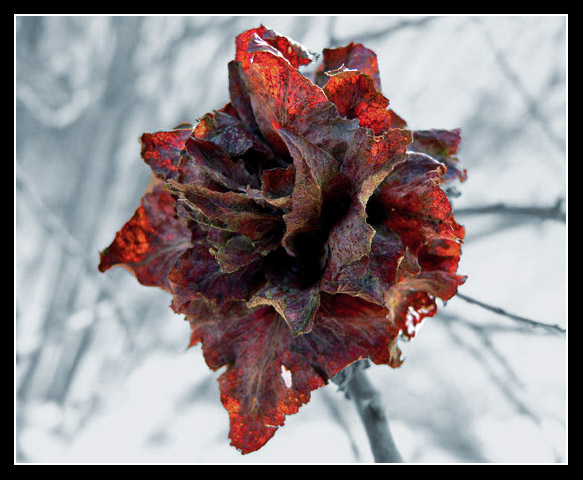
354, 381
368, 36
532, 104
501, 311
507, 386
554, 212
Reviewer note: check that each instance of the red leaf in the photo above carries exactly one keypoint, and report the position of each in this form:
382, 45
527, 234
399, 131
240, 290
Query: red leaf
238, 91
412, 297
197, 275
231, 211
216, 168
265, 39
297, 306
229, 134
301, 228
443, 146
277, 186
256, 347
281, 97
416, 207
150, 242
162, 151
356, 96
371, 275
317, 177
368, 161
353, 56
239, 250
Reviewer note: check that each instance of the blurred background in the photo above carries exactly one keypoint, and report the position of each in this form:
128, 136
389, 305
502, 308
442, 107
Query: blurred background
102, 372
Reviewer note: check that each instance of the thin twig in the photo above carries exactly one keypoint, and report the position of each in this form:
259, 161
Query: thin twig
510, 73
501, 311
368, 36
554, 212
373, 416
507, 386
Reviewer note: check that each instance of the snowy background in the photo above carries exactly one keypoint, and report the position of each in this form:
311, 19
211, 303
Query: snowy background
102, 373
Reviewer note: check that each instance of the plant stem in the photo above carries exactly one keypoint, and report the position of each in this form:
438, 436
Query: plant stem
375, 422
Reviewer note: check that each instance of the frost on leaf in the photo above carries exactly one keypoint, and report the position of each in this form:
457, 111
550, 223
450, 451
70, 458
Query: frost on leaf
299, 228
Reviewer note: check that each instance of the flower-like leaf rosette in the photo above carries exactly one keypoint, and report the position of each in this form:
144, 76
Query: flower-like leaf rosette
299, 228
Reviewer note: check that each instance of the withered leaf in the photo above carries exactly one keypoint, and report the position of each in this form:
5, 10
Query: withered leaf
281, 97
197, 275
353, 56
299, 228
266, 39
418, 209
231, 211
162, 151
256, 346
151, 241
367, 163
317, 177
442, 145
356, 96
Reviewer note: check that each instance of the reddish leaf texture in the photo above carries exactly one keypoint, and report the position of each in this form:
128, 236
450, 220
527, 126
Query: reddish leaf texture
299, 228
